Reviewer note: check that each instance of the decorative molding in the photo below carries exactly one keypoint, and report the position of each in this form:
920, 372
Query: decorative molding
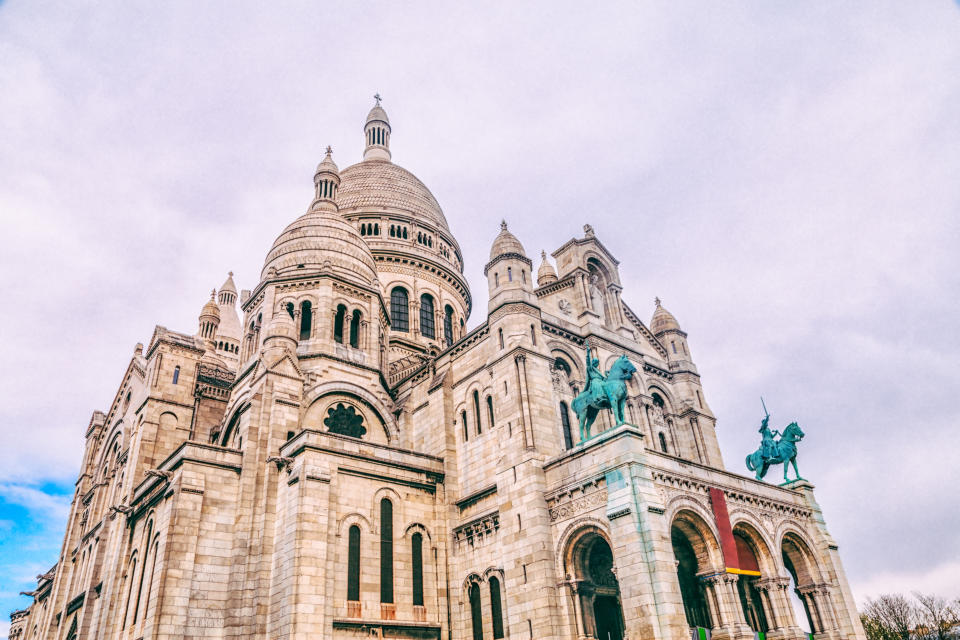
478, 530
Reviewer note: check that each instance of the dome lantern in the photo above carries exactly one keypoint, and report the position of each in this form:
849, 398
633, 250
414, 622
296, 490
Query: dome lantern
209, 319
326, 180
376, 133
546, 274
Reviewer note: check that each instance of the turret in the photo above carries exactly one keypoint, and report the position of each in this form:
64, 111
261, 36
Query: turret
376, 132
209, 321
326, 180
280, 336
546, 274
667, 330
509, 272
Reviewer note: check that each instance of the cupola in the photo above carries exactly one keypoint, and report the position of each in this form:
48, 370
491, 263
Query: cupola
326, 181
209, 318
667, 330
509, 272
546, 274
280, 335
377, 133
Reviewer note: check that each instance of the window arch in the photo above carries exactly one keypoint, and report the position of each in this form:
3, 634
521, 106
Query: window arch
476, 615
496, 608
353, 564
466, 431
427, 328
131, 576
338, 323
663, 442
306, 319
500, 335
289, 307
565, 423
386, 551
476, 410
399, 310
176, 374
416, 553
355, 329
490, 421
533, 335
448, 325
496, 278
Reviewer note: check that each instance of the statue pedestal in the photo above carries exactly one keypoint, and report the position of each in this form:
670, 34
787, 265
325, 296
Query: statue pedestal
798, 484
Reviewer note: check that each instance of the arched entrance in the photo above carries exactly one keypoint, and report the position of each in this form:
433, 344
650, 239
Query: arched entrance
691, 590
751, 600
805, 576
594, 587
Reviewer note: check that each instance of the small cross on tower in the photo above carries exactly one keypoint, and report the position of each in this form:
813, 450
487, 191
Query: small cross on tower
377, 97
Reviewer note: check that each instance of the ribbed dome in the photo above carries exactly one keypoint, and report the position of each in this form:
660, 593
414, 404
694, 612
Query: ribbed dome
321, 240
505, 242
377, 185
211, 308
663, 320
546, 273
377, 113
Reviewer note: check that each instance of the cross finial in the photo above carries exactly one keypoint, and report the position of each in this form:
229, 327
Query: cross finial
213, 294
329, 149
230, 273
543, 255
377, 97
503, 225
656, 301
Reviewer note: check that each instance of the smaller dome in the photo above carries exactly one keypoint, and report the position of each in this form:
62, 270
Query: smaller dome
505, 243
211, 308
318, 241
281, 326
377, 114
663, 320
546, 274
327, 165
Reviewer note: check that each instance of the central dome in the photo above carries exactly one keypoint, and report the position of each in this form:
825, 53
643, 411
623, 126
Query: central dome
374, 185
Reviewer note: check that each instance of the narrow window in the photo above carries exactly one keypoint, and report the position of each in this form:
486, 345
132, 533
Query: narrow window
176, 374
476, 616
523, 275
376, 228
290, 308
448, 325
386, 551
533, 335
399, 310
490, 412
496, 609
404, 233
699, 399
476, 410
509, 274
427, 328
663, 442
353, 564
466, 432
416, 553
684, 346
565, 423
132, 572
306, 319
338, 323
500, 334
673, 345
355, 329
496, 278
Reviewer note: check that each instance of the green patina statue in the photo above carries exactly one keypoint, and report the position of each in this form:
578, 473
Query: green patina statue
771, 451
602, 392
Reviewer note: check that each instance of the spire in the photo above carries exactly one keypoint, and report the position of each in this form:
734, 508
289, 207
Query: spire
546, 274
326, 180
662, 320
228, 290
376, 131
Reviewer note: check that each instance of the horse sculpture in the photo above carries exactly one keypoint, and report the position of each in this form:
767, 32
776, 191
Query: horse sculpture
784, 452
609, 393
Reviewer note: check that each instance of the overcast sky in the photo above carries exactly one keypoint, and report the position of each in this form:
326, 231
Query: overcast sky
785, 176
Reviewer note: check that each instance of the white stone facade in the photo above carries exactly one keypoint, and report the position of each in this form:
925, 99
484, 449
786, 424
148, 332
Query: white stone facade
340, 458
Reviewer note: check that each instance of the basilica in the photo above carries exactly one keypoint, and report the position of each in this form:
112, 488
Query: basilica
334, 454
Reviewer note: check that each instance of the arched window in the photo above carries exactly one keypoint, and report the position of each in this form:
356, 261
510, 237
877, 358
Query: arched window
448, 325
663, 442
565, 423
416, 553
289, 308
355, 329
523, 275
72, 632
338, 323
131, 574
386, 551
176, 374
399, 310
496, 278
490, 412
466, 432
500, 334
476, 615
427, 328
476, 410
306, 319
496, 608
533, 335
353, 564
510, 274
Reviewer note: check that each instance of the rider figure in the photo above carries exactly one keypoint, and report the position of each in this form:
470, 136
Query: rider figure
768, 447
593, 372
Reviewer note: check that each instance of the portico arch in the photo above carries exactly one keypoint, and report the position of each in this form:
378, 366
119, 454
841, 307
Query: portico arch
591, 575
697, 554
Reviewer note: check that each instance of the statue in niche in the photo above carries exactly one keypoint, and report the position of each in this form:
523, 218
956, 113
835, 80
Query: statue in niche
596, 297
344, 420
